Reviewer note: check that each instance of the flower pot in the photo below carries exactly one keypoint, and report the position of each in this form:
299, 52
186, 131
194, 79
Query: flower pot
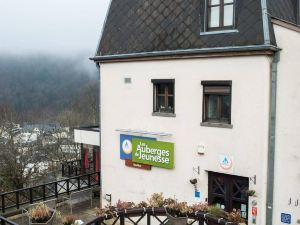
49, 222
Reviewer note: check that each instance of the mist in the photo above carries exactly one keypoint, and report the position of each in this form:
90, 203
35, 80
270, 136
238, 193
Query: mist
56, 27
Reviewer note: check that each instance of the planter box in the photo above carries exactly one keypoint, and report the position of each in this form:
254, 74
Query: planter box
49, 222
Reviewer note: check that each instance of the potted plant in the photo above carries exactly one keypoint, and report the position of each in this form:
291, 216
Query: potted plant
125, 205
41, 214
69, 220
200, 207
251, 193
216, 212
177, 212
157, 200
235, 217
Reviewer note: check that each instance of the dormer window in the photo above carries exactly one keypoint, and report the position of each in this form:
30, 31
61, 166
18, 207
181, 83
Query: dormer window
220, 14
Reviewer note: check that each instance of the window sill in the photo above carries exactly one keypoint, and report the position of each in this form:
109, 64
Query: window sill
163, 114
219, 125
219, 32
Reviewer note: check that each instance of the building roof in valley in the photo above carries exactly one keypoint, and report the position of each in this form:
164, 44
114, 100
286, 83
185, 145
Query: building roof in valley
136, 28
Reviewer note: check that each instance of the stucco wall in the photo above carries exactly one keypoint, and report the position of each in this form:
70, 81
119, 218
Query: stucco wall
129, 106
86, 137
287, 164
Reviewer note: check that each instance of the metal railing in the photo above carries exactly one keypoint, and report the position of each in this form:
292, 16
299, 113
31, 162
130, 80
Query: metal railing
74, 168
4, 221
17, 198
159, 216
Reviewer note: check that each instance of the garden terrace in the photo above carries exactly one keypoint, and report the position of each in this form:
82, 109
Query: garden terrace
82, 211
17, 199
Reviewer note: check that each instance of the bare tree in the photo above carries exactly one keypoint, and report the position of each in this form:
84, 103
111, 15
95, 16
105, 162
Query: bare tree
27, 157
19, 158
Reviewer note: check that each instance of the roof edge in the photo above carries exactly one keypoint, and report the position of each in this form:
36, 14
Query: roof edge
286, 24
103, 26
249, 48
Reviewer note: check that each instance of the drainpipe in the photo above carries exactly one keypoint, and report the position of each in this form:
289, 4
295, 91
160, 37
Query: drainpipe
272, 138
100, 146
298, 12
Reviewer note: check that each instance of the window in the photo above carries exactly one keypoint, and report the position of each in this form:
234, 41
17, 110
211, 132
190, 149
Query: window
228, 192
217, 102
163, 96
220, 14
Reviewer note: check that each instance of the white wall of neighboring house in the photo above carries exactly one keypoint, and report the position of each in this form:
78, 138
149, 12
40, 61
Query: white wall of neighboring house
26, 137
287, 164
130, 106
88, 137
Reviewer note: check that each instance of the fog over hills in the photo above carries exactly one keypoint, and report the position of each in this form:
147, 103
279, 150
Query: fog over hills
44, 84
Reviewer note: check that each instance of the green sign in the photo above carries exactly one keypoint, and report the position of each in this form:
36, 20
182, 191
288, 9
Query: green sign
151, 152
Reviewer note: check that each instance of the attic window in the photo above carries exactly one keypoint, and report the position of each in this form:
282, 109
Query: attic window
220, 14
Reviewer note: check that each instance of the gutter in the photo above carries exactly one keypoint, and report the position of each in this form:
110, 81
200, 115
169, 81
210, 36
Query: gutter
298, 12
272, 139
187, 52
100, 144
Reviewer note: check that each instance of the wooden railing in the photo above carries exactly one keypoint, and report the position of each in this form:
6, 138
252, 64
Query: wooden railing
150, 216
15, 199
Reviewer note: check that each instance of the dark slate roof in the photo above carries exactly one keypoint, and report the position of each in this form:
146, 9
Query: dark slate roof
284, 9
143, 26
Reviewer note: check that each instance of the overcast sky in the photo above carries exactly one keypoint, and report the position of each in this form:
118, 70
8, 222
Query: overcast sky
58, 27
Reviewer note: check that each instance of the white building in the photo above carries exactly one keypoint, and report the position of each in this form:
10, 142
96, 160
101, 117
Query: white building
220, 81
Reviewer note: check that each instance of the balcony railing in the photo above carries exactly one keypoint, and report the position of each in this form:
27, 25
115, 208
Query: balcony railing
74, 168
21, 197
4, 221
154, 216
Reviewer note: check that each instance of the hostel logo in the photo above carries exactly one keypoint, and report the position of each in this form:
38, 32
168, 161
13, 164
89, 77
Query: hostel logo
126, 145
226, 163
155, 153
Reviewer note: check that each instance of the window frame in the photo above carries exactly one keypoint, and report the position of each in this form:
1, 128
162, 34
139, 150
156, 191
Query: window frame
166, 95
225, 83
221, 26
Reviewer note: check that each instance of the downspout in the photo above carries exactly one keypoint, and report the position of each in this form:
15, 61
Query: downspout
298, 12
272, 139
100, 146
265, 20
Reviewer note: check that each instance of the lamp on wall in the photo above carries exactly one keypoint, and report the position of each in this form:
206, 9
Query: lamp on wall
194, 182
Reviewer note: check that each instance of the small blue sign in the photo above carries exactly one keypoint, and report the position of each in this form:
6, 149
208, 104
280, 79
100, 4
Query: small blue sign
197, 196
126, 145
286, 218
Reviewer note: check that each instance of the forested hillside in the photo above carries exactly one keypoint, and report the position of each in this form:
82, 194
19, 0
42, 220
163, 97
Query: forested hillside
45, 88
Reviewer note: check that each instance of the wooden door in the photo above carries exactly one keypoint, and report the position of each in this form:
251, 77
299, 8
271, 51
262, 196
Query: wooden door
228, 192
